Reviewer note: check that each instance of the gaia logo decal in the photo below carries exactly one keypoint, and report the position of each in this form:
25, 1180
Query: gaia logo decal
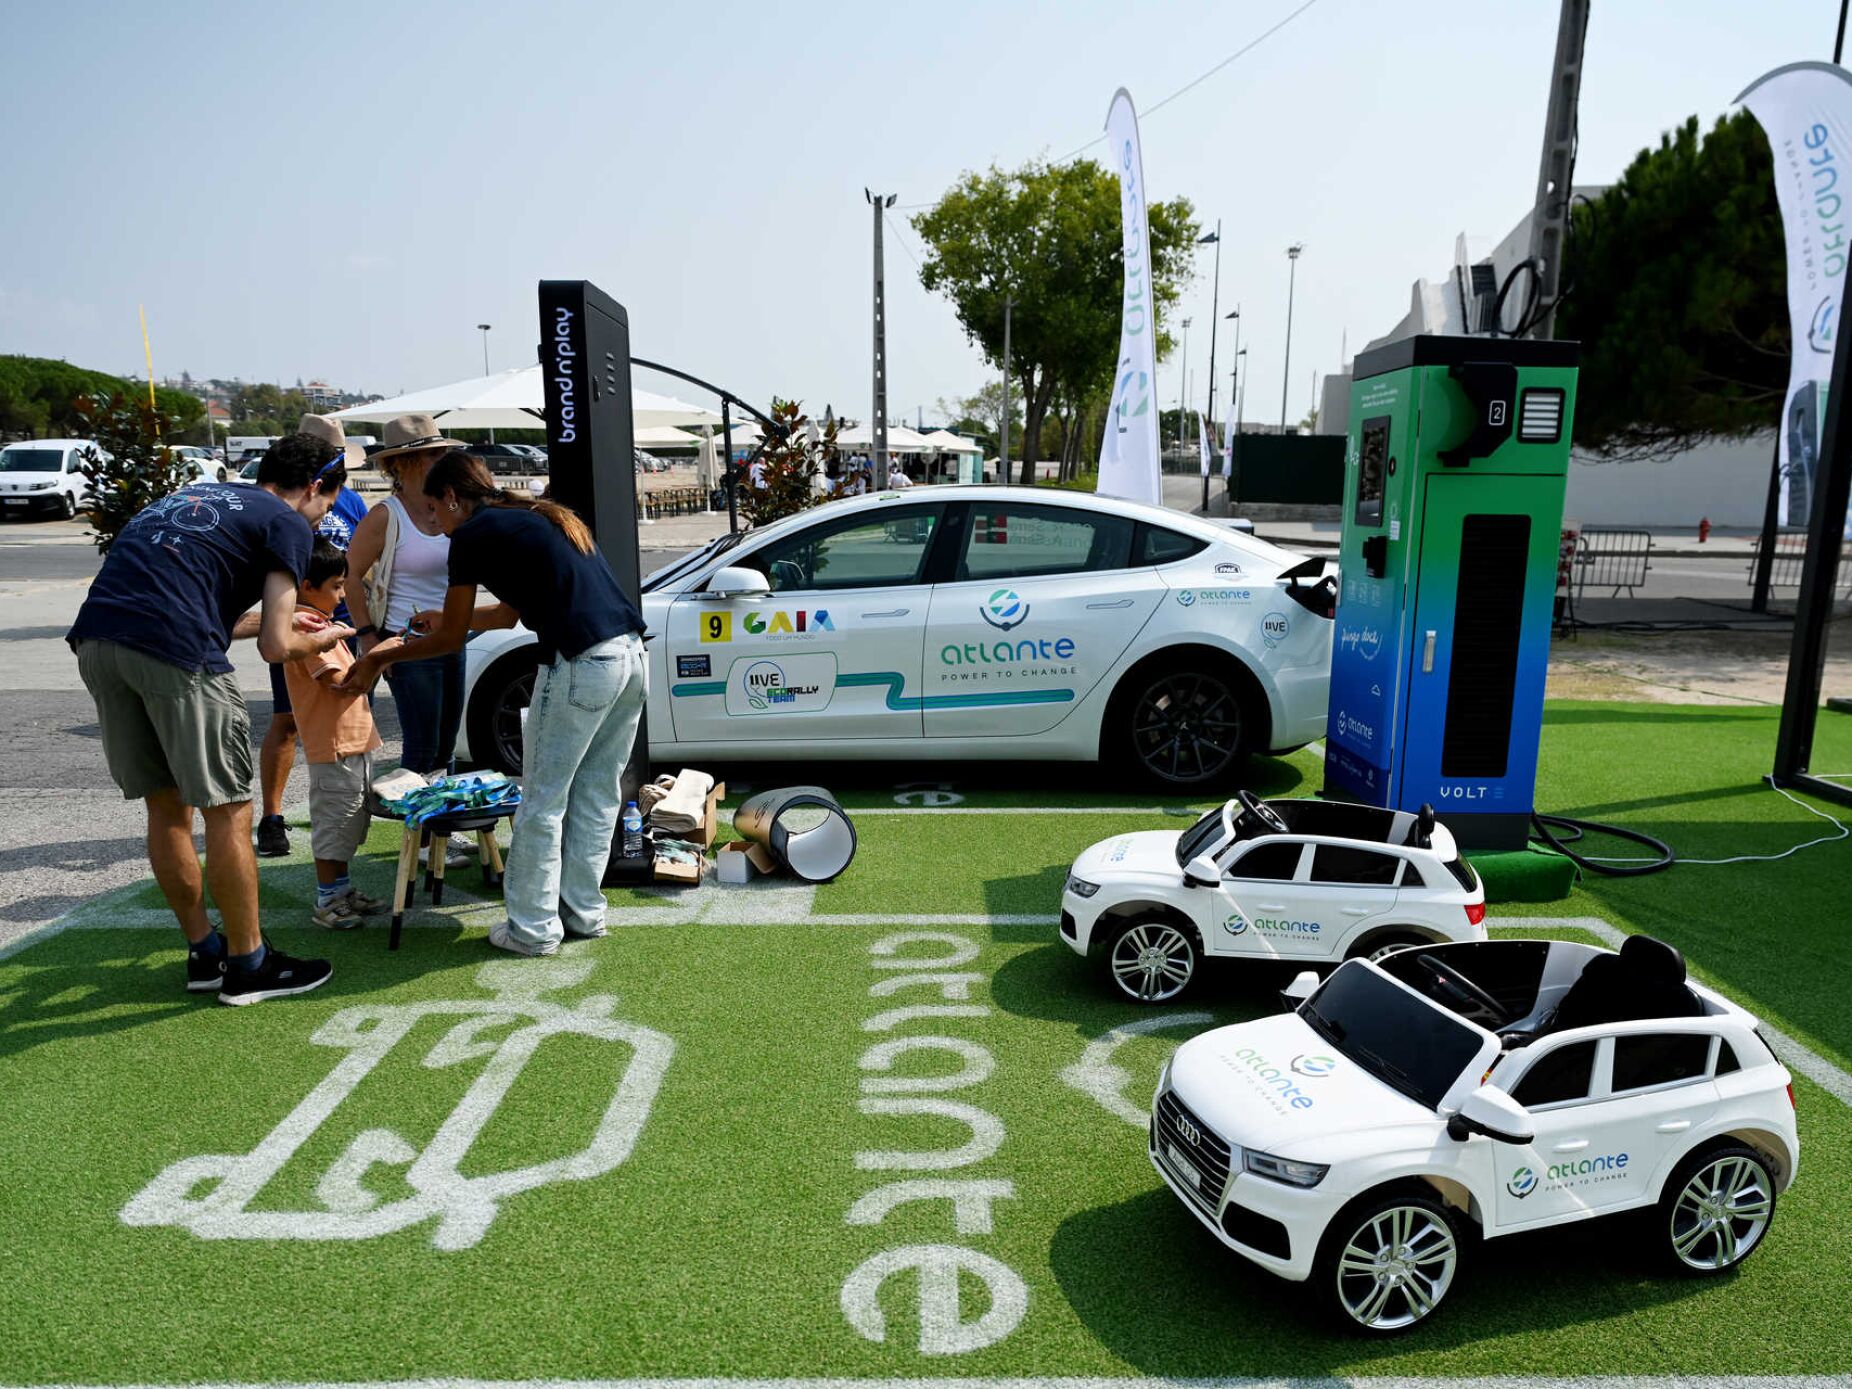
1274, 628
767, 688
213, 1194
1315, 1065
1004, 610
1523, 1182
780, 623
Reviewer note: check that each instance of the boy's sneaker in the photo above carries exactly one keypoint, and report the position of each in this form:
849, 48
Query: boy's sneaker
365, 905
278, 976
204, 973
272, 837
338, 915
500, 938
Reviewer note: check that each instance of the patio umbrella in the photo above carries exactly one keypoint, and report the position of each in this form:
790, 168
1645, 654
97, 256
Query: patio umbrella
513, 399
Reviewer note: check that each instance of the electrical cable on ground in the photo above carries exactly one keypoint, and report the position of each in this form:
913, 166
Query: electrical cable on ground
1664, 856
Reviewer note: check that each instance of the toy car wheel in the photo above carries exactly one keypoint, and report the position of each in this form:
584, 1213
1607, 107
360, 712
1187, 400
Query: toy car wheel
1716, 1209
1385, 1265
1151, 961
1378, 946
1184, 726
505, 689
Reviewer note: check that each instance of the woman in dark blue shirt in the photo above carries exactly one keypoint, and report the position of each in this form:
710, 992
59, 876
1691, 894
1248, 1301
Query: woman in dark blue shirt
538, 558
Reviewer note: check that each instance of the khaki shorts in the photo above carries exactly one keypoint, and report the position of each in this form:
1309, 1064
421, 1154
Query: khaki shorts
338, 818
167, 728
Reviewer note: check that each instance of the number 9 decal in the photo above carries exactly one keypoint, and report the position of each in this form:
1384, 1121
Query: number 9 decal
716, 627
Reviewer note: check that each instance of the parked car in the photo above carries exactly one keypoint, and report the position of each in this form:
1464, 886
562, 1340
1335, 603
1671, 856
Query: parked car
502, 458
244, 467
44, 475
1412, 1105
202, 465
1267, 880
973, 622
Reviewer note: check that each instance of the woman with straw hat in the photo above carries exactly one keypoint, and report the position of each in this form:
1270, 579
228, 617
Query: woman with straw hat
400, 561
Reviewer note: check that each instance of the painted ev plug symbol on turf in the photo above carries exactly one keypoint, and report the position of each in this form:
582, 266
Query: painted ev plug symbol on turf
211, 1195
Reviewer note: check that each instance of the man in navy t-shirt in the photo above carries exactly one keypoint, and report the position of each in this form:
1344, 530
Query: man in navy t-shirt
151, 643
277, 757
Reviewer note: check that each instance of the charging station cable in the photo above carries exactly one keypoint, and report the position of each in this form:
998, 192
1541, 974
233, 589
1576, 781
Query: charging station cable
1665, 857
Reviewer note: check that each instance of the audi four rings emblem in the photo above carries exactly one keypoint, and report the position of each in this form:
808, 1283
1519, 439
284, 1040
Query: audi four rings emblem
1189, 1132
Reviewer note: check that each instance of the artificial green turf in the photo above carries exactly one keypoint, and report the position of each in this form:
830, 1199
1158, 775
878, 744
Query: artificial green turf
1522, 875
720, 1246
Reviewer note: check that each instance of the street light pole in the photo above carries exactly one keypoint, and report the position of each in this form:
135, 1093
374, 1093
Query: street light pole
1286, 371
485, 361
880, 203
1241, 399
1183, 382
1215, 309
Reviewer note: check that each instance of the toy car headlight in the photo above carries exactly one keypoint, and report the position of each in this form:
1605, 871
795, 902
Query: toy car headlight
1080, 887
1284, 1169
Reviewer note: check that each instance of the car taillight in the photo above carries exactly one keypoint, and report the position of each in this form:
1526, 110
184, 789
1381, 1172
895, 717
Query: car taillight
1475, 913
1791, 1104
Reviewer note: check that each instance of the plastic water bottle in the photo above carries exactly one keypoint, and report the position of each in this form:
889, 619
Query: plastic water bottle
633, 831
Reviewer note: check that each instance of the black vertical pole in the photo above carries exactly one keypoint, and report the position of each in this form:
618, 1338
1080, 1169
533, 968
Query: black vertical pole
1765, 550
727, 476
1839, 41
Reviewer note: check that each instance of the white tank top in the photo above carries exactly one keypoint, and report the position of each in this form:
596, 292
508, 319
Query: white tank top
420, 571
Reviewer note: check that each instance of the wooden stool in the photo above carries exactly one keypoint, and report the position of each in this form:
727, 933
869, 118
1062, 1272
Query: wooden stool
434, 834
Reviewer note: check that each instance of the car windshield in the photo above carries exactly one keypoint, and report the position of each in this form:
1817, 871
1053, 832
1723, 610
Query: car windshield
1404, 1041
31, 460
250, 469
1200, 837
676, 568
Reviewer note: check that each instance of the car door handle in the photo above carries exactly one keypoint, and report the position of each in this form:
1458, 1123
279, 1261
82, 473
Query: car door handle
1356, 911
1575, 1145
1122, 603
897, 612
1427, 654
1272, 906
1673, 1126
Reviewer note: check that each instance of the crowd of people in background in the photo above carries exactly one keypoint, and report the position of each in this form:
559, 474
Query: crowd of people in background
336, 594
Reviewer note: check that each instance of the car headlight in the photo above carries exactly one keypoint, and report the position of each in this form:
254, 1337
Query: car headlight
1285, 1170
43, 486
1080, 887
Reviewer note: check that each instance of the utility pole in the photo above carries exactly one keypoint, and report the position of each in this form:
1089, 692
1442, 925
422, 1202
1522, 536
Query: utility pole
878, 423
1183, 383
1003, 454
485, 362
1215, 309
1234, 397
1556, 170
1241, 400
1292, 274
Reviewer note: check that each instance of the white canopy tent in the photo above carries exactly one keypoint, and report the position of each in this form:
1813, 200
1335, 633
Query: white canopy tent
945, 441
513, 399
900, 439
665, 436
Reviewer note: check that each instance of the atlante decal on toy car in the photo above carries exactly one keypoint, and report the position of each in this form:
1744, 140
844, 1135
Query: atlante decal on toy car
1189, 597
1275, 1085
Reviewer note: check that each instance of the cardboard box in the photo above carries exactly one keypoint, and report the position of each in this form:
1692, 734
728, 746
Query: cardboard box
679, 874
710, 817
740, 861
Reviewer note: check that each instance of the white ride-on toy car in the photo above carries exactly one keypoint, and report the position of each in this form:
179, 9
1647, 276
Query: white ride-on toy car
1441, 1094
1318, 881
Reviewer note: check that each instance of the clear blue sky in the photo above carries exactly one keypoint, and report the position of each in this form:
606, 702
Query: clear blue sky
344, 190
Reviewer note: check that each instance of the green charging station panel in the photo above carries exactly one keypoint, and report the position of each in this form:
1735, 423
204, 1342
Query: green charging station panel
1455, 470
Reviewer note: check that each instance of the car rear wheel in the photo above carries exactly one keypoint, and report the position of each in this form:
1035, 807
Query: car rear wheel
1184, 725
1385, 1265
1151, 961
67, 506
505, 689
1716, 1209
1375, 947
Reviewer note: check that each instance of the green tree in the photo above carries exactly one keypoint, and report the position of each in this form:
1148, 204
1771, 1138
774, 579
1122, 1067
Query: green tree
1047, 237
133, 469
789, 467
982, 415
1678, 296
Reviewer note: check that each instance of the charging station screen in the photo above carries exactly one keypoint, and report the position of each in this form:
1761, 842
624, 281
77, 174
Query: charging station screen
1372, 471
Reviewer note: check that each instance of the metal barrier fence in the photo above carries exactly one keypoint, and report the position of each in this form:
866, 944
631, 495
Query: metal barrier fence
1790, 554
1612, 559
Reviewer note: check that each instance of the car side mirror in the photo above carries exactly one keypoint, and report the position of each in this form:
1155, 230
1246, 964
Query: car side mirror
737, 582
1201, 872
1491, 1112
1303, 986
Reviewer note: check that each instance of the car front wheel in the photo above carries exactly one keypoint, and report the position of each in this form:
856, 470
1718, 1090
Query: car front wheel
1184, 726
1151, 961
67, 506
1716, 1209
505, 689
1384, 1266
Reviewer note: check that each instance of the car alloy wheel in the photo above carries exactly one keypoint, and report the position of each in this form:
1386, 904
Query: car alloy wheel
1152, 961
67, 507
1187, 728
505, 720
1721, 1211
1397, 1265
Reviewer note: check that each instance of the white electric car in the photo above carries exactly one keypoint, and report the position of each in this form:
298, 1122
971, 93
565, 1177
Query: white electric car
45, 475
1318, 881
1442, 1094
967, 622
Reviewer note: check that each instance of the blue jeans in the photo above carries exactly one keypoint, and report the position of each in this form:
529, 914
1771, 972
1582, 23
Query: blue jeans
580, 728
429, 695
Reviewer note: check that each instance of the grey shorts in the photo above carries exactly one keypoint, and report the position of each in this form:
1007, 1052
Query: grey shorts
167, 728
338, 818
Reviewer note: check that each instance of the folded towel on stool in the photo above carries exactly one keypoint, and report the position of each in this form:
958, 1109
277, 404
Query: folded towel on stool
685, 807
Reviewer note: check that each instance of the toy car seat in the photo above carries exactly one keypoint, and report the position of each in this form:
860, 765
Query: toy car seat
1421, 833
1646, 979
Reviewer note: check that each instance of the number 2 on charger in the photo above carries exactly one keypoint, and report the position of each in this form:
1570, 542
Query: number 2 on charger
716, 627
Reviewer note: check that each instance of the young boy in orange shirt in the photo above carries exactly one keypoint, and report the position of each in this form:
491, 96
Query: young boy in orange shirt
329, 692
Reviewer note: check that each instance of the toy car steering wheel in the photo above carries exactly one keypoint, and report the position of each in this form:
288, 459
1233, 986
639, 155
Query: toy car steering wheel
1463, 991
1262, 812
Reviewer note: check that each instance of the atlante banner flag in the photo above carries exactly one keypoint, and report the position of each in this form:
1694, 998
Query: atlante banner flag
1806, 111
1129, 453
1202, 443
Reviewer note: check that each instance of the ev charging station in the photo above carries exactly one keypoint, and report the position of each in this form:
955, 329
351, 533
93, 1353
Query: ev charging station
1454, 477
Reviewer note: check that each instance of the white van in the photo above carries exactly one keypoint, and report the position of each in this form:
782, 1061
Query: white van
39, 475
